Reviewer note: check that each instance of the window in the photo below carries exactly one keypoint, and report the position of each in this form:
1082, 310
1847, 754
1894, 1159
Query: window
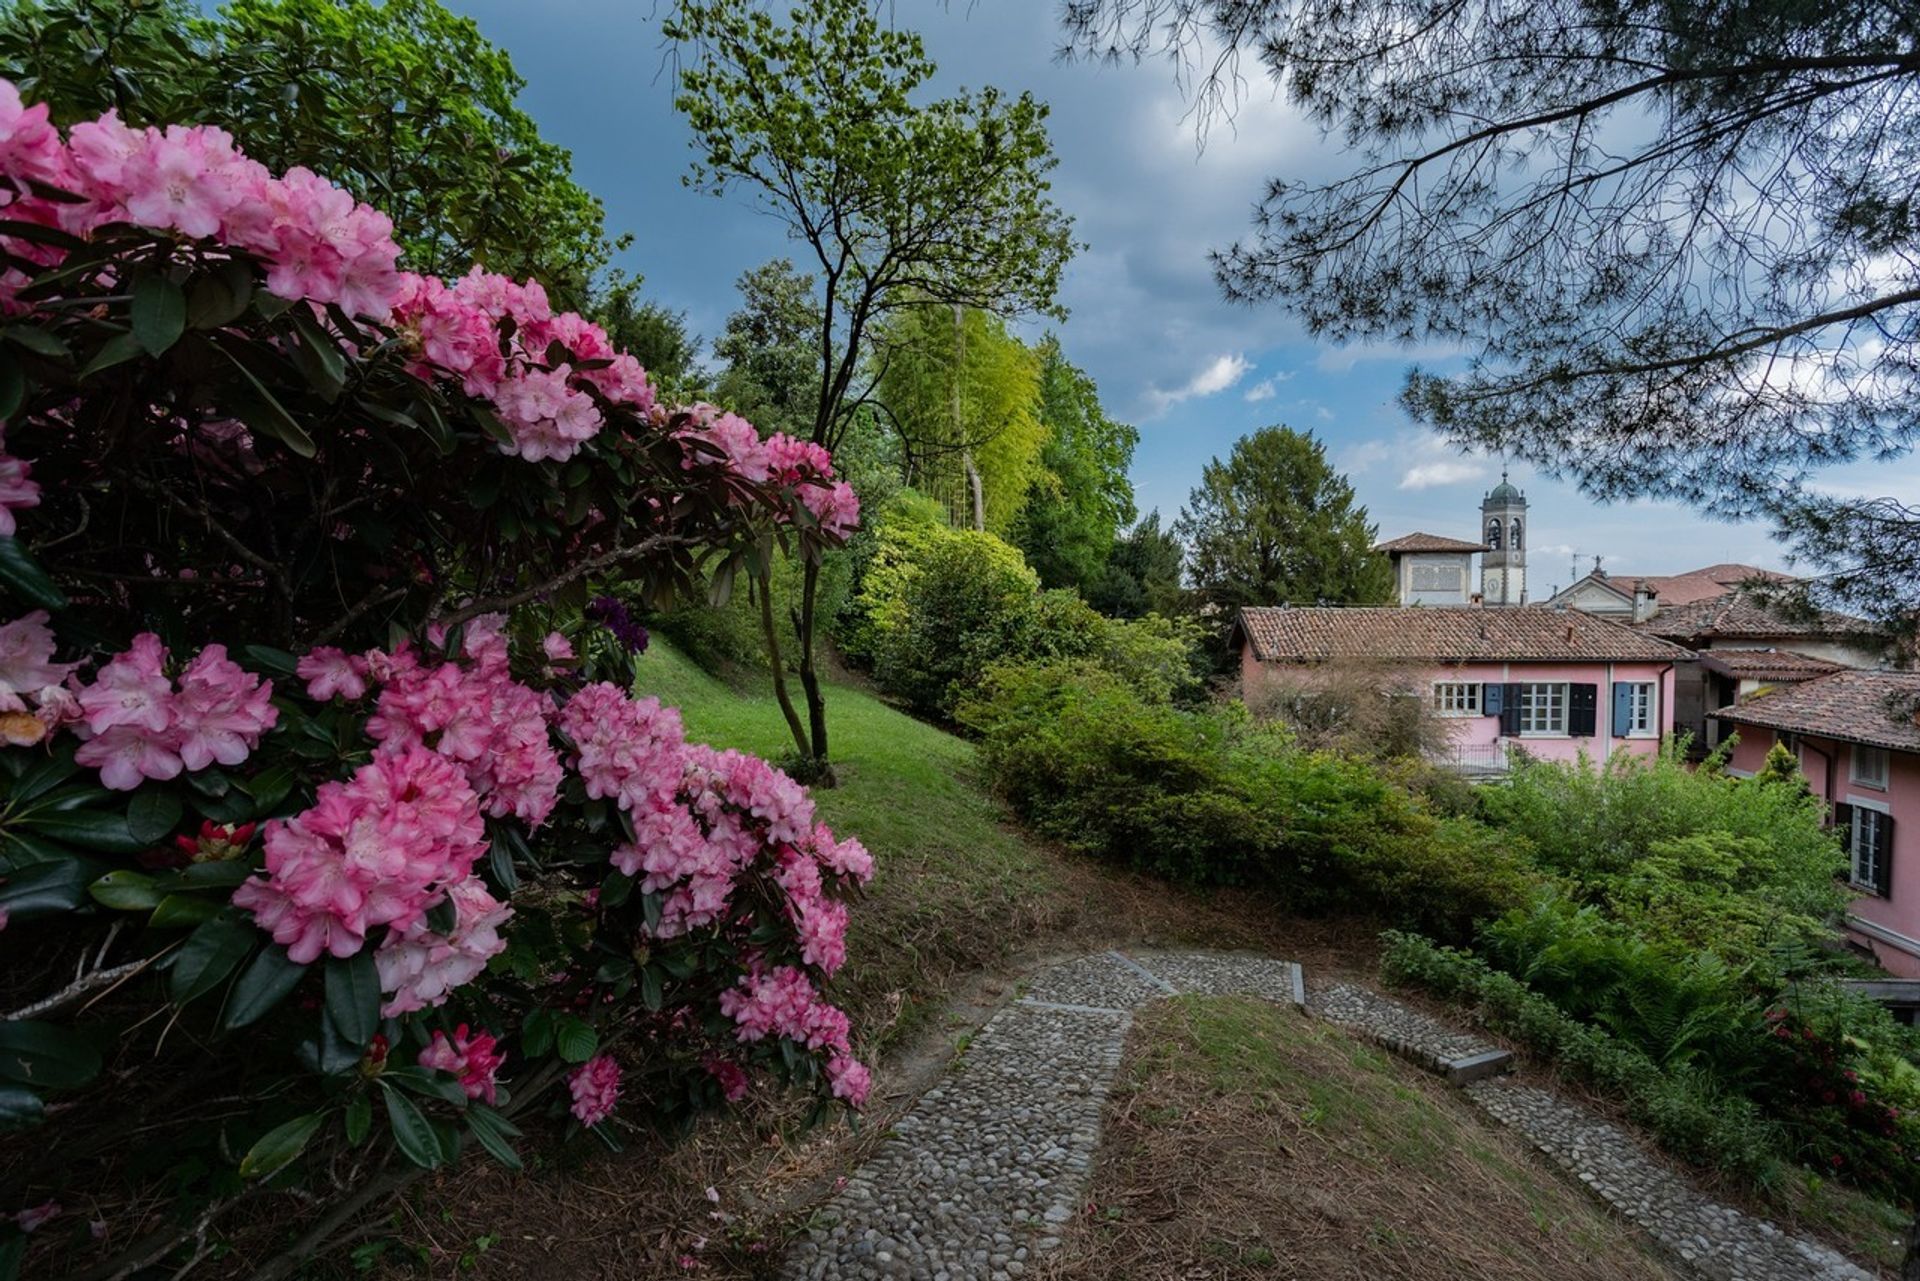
1456, 698
1870, 766
1640, 708
1543, 709
1493, 533
1869, 836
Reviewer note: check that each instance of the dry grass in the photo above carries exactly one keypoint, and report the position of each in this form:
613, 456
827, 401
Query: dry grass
1248, 1141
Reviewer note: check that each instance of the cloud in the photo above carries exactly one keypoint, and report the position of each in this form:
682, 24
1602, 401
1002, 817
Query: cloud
1267, 387
1339, 360
1445, 472
1220, 373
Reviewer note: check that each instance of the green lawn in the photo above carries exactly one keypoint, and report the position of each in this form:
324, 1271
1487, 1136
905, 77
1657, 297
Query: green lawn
955, 887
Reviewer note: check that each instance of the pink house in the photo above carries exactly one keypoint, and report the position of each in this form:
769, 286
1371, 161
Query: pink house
1556, 683
1858, 742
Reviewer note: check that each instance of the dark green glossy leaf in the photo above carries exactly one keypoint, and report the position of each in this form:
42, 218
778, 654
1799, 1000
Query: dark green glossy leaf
219, 297
575, 1038
45, 774
153, 814
278, 1147
13, 385
178, 911
125, 890
225, 872
20, 1108
116, 350
260, 410
45, 888
38, 341
411, 1133
208, 956
261, 986
353, 998
159, 312
269, 787
265, 658
650, 988
316, 356
359, 1119
492, 1131
90, 829
46, 1055
21, 574
443, 916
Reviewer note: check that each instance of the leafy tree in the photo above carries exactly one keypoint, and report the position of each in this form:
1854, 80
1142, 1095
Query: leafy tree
899, 201
656, 335
1679, 241
1275, 524
770, 349
1082, 497
964, 396
1142, 576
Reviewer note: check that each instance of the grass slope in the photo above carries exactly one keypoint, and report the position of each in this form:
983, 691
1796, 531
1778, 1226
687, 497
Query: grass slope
1245, 1140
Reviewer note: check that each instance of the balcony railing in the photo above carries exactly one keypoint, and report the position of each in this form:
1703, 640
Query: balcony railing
1473, 760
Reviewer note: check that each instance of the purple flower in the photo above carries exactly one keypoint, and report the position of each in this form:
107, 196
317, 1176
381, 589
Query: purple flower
610, 612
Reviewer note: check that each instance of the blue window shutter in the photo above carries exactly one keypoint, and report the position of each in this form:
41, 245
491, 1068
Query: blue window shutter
1490, 701
1622, 708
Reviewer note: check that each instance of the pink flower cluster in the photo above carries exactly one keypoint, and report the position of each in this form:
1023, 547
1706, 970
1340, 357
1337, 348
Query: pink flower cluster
595, 1086
783, 1002
423, 968
316, 240
29, 678
473, 712
379, 849
631, 750
801, 465
138, 726
474, 1059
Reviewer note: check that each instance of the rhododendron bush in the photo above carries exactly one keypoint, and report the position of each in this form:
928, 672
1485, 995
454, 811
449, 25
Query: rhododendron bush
331, 841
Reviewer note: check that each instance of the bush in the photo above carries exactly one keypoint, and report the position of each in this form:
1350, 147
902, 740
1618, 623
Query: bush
1212, 797
1684, 1111
961, 598
331, 839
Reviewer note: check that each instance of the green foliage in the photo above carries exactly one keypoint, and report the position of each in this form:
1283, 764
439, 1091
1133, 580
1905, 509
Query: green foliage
964, 395
902, 533
771, 346
1212, 797
1275, 524
1082, 497
1142, 574
401, 102
1683, 1110
959, 600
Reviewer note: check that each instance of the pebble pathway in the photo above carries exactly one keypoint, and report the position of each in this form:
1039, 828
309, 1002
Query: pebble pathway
989, 1165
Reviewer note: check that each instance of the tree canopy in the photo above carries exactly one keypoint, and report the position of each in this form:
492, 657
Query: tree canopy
1081, 499
1142, 575
1680, 243
402, 102
1275, 524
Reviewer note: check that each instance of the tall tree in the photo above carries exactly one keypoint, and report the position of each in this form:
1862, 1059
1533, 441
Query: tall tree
402, 102
1275, 524
1142, 576
769, 346
964, 395
1681, 242
1082, 498
897, 201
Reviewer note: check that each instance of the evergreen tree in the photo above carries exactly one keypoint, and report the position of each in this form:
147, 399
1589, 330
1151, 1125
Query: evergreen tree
1081, 498
1142, 575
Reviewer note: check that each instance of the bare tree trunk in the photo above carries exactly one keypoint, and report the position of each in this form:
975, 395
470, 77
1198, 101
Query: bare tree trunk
975, 492
810, 676
763, 585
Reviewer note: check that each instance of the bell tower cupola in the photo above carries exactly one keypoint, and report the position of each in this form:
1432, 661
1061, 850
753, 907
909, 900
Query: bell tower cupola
1503, 527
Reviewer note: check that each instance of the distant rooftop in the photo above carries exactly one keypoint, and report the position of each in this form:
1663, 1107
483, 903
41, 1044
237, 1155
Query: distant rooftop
1768, 664
1317, 634
1418, 542
1875, 708
1736, 615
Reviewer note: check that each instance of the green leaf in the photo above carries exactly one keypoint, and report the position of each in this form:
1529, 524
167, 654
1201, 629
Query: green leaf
178, 911
210, 953
219, 297
500, 867
316, 356
266, 415
278, 1147
490, 423
269, 787
492, 1131
39, 341
13, 385
46, 1055
616, 889
45, 774
116, 350
353, 997
261, 986
20, 1108
427, 1083
125, 890
153, 814
650, 988
90, 829
536, 1034
225, 873
359, 1119
159, 312
21, 574
45, 888
575, 1038
274, 662
411, 1132
443, 916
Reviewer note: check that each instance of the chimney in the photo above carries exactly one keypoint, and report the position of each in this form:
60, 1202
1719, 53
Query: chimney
1643, 606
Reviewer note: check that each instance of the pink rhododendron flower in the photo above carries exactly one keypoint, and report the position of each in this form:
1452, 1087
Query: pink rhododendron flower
180, 179
132, 690
221, 710
783, 1002
422, 968
547, 418
557, 647
474, 1059
595, 1086
27, 668
332, 673
137, 726
625, 748
849, 1079
731, 1077
17, 489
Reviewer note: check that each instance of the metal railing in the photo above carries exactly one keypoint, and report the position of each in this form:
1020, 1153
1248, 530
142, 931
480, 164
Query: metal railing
1473, 760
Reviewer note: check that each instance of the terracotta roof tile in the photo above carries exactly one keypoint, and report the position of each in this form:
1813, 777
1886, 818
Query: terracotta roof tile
1418, 542
1875, 708
1738, 615
1446, 635
1768, 664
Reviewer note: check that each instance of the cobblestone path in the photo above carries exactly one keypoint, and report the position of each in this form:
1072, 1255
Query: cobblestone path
991, 1163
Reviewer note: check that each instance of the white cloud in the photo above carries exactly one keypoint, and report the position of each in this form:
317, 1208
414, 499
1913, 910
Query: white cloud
1339, 360
1221, 373
1445, 472
1267, 387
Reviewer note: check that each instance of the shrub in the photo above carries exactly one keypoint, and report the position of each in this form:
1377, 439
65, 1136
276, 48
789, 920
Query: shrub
1683, 1110
1374, 710
1213, 797
327, 830
963, 595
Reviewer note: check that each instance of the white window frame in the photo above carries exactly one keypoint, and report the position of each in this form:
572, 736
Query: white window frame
1643, 706
1556, 700
1876, 780
1866, 884
1456, 698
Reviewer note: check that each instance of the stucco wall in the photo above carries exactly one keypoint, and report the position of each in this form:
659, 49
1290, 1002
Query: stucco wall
1889, 927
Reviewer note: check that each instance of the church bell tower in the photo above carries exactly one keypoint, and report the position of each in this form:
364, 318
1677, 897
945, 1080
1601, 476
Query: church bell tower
1503, 528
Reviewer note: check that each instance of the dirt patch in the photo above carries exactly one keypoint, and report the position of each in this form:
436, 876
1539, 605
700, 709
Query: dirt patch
1246, 1140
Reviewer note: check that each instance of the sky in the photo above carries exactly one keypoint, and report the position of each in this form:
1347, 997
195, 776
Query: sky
1147, 321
